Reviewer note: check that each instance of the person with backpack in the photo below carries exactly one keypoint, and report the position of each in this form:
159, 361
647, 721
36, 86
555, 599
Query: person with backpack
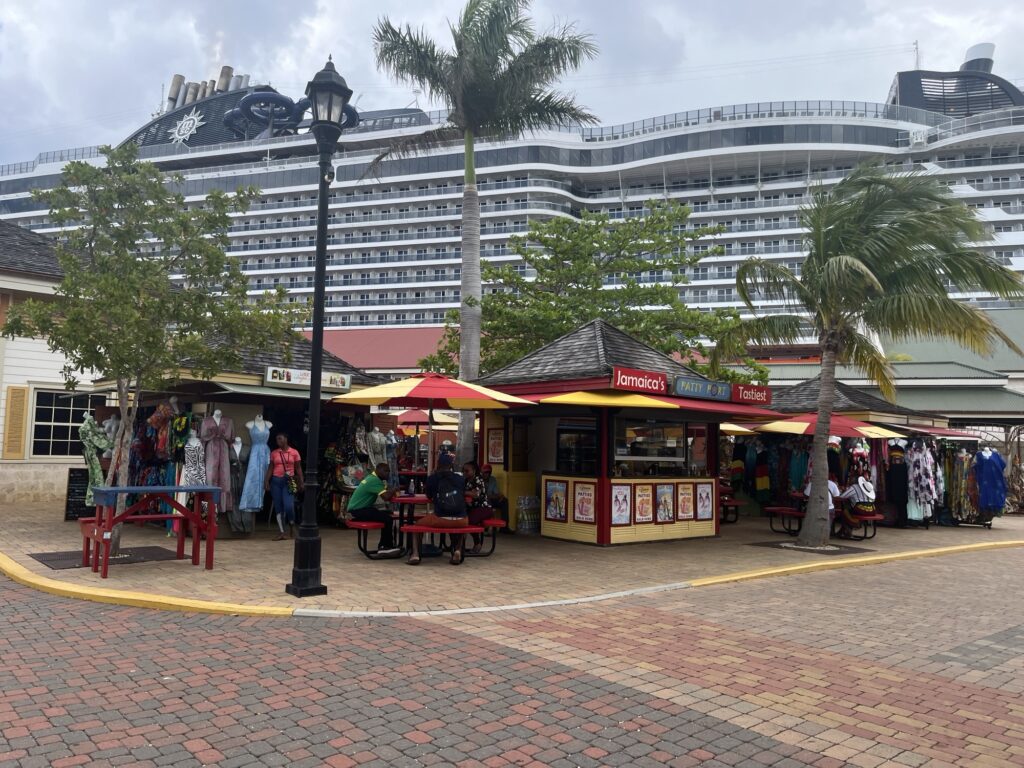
447, 491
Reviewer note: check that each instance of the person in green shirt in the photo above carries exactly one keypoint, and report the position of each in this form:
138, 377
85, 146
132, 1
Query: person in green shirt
363, 506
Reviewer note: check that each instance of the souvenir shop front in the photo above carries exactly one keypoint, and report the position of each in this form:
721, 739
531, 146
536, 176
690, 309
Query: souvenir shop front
221, 431
622, 444
930, 475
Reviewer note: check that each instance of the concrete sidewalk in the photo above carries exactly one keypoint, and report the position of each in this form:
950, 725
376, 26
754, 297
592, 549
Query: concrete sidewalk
525, 570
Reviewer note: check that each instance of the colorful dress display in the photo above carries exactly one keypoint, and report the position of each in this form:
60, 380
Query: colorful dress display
921, 497
988, 471
256, 472
94, 439
217, 443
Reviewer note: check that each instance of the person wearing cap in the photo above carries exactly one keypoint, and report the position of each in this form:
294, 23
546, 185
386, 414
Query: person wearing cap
495, 497
862, 500
447, 491
368, 503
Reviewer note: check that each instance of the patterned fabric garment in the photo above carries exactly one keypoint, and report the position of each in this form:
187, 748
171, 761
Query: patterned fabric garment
217, 444
256, 472
94, 439
477, 485
195, 465
921, 483
160, 421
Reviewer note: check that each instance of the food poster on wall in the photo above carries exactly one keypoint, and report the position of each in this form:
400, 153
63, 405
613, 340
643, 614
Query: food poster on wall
705, 501
644, 504
622, 504
495, 446
684, 501
665, 510
555, 493
583, 502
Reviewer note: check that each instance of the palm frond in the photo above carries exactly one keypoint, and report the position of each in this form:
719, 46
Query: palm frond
411, 56
541, 62
772, 280
968, 269
859, 351
541, 111
406, 146
916, 316
767, 329
495, 28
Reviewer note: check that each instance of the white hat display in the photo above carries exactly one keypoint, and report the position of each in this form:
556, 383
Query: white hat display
866, 488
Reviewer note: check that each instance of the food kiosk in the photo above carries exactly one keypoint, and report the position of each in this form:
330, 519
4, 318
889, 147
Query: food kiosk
622, 445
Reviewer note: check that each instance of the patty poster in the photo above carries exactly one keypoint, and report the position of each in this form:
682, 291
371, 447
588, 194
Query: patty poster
583, 503
705, 501
644, 504
684, 502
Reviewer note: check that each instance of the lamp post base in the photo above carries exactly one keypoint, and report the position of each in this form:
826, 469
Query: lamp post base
305, 576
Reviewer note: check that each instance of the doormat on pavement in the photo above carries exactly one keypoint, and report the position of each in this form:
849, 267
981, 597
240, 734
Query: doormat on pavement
62, 561
832, 549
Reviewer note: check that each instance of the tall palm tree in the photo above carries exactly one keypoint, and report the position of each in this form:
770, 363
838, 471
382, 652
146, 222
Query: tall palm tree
884, 251
496, 81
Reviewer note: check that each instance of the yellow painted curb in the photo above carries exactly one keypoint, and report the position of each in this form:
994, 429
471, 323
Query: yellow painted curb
22, 575
849, 562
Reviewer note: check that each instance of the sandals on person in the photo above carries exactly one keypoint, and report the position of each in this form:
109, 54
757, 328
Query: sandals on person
414, 560
456, 557
280, 537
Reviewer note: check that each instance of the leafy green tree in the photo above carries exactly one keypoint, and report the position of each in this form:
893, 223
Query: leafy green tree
884, 252
626, 271
148, 289
495, 81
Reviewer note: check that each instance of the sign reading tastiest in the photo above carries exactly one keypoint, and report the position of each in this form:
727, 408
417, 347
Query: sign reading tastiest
632, 380
751, 394
702, 389
295, 378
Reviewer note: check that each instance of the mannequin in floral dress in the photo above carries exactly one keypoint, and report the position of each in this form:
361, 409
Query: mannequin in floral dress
93, 439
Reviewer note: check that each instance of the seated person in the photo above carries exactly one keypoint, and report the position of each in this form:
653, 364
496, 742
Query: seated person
447, 491
476, 499
363, 506
833, 492
862, 499
494, 495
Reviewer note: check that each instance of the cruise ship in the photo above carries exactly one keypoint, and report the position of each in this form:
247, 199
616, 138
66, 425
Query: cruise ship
394, 238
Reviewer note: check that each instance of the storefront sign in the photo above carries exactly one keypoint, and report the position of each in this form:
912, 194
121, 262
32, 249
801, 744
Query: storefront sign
633, 380
751, 394
295, 378
702, 389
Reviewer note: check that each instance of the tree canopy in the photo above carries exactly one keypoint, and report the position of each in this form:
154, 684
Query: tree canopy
569, 271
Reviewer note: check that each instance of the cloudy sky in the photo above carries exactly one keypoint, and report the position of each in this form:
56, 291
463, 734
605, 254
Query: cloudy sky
82, 72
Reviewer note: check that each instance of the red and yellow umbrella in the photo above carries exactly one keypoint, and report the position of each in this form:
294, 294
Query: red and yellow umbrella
841, 426
432, 390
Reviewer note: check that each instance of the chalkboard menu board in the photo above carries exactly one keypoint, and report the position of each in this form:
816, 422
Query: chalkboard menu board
74, 505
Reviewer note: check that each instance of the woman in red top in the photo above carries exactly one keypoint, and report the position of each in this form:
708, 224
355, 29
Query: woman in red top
285, 470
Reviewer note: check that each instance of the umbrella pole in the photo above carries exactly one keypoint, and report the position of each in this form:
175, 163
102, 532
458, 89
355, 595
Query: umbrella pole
430, 437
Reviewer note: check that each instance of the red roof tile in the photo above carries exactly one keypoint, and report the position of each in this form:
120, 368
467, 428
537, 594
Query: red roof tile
382, 348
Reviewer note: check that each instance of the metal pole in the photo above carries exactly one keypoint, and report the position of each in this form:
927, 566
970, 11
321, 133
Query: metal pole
306, 566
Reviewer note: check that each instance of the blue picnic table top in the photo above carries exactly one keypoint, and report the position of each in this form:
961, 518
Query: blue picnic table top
105, 495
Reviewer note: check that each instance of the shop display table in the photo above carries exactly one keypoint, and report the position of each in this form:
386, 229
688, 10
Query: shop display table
97, 531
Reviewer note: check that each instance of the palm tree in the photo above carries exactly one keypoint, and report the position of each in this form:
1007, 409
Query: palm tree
496, 81
884, 251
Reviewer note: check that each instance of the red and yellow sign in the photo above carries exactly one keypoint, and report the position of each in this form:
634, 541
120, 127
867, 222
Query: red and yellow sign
633, 380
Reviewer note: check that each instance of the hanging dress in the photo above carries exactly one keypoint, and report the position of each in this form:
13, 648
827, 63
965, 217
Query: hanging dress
921, 484
988, 470
256, 472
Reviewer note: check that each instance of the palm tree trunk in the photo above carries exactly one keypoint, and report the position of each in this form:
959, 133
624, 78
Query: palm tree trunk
470, 309
817, 527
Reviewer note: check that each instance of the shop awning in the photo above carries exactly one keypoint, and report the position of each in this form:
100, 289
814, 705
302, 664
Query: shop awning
617, 399
948, 434
247, 389
598, 399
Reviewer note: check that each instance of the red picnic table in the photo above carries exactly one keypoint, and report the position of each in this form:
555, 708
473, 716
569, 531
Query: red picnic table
97, 531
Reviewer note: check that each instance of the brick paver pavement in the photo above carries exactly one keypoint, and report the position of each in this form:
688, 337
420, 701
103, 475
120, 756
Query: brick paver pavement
524, 569
904, 664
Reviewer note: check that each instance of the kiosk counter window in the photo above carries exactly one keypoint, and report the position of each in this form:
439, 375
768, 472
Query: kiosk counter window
659, 447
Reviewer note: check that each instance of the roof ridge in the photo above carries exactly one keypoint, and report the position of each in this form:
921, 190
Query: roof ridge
599, 326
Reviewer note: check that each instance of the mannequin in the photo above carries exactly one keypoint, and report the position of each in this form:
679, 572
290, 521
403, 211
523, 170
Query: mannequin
391, 451
110, 427
238, 457
376, 446
251, 500
94, 439
217, 432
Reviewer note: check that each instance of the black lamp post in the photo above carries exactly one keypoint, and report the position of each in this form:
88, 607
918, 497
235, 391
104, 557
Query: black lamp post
328, 97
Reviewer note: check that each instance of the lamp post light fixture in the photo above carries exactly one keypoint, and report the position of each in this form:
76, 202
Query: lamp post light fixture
328, 96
